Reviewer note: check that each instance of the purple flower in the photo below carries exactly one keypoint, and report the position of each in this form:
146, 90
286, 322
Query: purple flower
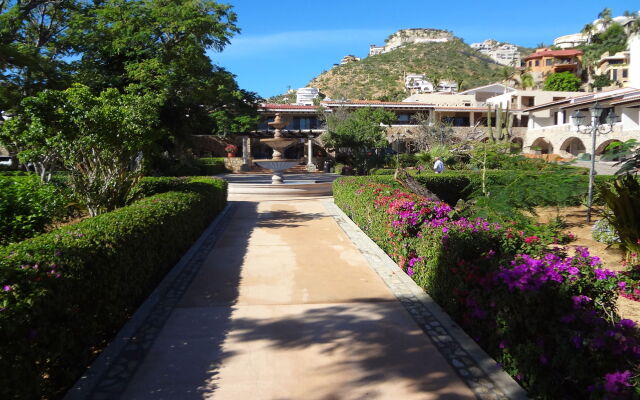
622, 284
617, 381
580, 300
627, 323
7, 288
502, 344
410, 271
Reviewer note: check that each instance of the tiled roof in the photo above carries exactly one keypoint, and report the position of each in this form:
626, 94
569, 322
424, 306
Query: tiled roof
375, 103
554, 53
586, 99
287, 106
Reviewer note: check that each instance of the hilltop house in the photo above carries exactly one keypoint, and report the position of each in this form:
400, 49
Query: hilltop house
502, 53
543, 62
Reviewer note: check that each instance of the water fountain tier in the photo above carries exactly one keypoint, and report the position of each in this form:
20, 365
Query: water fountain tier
279, 144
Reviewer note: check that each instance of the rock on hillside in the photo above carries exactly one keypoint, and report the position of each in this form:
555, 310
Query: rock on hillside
382, 76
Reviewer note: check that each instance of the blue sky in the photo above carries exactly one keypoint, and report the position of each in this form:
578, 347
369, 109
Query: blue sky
284, 44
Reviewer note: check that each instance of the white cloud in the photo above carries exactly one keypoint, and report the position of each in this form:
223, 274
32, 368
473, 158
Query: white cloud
250, 46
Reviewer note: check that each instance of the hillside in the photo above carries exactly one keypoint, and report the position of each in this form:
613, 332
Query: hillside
382, 76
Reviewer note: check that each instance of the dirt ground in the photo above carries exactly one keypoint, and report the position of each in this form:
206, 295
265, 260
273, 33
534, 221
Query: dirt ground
611, 257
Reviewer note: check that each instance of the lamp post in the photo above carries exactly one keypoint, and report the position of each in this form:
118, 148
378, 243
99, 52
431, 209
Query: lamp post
594, 128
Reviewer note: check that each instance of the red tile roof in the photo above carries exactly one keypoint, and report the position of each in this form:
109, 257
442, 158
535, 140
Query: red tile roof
554, 53
288, 106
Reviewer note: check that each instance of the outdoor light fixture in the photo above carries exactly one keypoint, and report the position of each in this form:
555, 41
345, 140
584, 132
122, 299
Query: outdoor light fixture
594, 128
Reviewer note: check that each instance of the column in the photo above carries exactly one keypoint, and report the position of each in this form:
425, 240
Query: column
472, 119
245, 154
311, 167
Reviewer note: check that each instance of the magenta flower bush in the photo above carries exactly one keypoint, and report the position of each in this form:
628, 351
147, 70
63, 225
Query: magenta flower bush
546, 316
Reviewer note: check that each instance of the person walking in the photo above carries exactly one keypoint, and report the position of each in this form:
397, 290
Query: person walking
438, 166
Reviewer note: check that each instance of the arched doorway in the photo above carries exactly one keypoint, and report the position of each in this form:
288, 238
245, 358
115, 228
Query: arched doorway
516, 145
541, 146
572, 147
605, 152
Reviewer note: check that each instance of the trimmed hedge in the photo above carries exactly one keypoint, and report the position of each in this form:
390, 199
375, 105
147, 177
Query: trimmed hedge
67, 292
212, 165
546, 317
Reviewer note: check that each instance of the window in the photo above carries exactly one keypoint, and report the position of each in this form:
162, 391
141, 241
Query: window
548, 61
625, 73
614, 74
537, 63
403, 119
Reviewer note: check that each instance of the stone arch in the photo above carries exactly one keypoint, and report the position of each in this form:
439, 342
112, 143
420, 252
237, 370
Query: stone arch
572, 147
541, 146
516, 145
602, 147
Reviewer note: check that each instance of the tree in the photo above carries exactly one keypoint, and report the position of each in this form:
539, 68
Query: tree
588, 30
357, 132
508, 74
605, 17
526, 80
33, 45
600, 81
100, 140
563, 82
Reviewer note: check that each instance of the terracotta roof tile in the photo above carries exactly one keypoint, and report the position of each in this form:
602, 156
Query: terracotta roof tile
554, 53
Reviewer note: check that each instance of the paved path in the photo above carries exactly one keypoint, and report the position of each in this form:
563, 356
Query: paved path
284, 306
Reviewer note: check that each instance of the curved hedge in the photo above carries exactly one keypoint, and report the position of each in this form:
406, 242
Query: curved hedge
64, 294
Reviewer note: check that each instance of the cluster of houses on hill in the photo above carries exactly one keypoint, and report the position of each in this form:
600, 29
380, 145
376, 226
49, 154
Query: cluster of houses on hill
543, 121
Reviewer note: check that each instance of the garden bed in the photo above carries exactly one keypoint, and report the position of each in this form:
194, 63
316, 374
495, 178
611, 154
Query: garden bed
545, 316
65, 293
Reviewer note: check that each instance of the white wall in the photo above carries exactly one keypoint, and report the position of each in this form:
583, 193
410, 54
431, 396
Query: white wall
634, 61
630, 118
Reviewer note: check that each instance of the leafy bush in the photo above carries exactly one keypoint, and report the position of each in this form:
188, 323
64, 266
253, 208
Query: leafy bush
66, 292
28, 206
546, 317
622, 196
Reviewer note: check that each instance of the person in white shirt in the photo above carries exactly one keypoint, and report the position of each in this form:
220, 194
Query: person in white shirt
438, 166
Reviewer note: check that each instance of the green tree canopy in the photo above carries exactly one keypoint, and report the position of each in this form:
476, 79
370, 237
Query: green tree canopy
563, 82
101, 142
357, 132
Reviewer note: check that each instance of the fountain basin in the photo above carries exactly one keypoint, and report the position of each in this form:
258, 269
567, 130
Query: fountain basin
277, 166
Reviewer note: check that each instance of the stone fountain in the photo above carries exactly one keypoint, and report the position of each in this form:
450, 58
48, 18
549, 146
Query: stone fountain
279, 144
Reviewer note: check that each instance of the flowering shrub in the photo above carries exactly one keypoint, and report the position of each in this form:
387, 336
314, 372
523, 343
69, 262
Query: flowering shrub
231, 148
63, 294
545, 316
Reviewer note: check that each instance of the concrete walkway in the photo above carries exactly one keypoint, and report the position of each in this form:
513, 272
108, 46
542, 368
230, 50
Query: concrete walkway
285, 307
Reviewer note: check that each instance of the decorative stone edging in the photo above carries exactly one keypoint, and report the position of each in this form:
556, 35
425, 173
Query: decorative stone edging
109, 375
474, 365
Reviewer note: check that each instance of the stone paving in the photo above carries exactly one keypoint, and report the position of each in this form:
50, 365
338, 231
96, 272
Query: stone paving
285, 298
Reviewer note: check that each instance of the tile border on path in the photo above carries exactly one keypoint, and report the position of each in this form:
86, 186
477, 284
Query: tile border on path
478, 370
109, 374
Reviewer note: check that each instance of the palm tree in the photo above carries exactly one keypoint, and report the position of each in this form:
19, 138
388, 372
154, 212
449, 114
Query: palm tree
605, 17
526, 80
508, 74
588, 30
435, 79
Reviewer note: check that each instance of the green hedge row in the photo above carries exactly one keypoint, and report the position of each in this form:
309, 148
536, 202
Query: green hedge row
212, 165
64, 294
539, 188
